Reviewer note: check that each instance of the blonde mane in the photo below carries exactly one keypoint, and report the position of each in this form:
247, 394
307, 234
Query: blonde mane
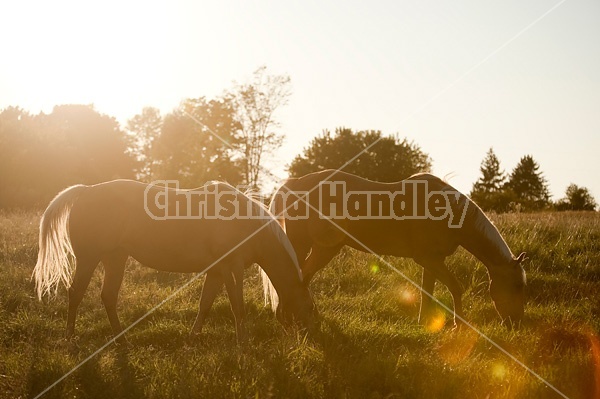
274, 226
483, 224
270, 294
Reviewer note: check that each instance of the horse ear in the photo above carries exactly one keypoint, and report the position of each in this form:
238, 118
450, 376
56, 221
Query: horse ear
522, 257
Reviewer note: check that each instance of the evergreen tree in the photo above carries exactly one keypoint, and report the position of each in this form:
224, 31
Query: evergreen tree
492, 178
528, 185
488, 191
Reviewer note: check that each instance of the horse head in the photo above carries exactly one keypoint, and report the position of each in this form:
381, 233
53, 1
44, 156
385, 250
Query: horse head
507, 289
297, 310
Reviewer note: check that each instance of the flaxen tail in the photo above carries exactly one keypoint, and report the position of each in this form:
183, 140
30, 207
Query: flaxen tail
276, 209
55, 251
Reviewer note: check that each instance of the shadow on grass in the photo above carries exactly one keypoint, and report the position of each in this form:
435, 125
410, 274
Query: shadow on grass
108, 374
356, 369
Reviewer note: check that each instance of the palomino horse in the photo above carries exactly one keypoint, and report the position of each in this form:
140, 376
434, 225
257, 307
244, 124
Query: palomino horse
422, 218
166, 229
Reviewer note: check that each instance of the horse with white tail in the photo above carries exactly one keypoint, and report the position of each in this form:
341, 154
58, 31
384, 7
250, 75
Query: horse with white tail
167, 229
422, 217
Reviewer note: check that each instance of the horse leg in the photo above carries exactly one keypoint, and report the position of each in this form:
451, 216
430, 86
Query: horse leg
84, 269
441, 273
319, 257
114, 268
234, 284
212, 285
427, 287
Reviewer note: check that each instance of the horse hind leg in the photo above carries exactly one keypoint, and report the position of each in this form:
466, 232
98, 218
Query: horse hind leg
210, 290
114, 269
84, 269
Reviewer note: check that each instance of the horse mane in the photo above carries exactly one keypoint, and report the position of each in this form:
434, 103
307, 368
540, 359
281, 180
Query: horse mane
475, 218
275, 228
261, 209
482, 224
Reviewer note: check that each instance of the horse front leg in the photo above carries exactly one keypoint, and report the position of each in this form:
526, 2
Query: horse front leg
234, 285
439, 271
319, 258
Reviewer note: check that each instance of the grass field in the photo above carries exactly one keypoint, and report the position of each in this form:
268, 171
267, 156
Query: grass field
369, 344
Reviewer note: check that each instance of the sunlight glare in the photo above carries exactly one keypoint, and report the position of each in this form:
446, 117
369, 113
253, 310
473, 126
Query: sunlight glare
109, 54
457, 347
499, 370
595, 346
407, 294
436, 323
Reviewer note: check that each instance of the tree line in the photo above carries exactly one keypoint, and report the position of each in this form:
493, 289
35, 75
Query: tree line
226, 138
524, 189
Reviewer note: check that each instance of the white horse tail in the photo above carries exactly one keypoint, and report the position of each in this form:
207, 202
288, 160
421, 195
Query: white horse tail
269, 291
55, 251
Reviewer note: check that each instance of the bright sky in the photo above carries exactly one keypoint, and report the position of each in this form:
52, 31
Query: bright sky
452, 76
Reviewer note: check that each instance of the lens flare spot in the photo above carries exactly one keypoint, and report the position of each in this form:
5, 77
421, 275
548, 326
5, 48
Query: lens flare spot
458, 347
437, 322
408, 296
595, 344
374, 268
499, 370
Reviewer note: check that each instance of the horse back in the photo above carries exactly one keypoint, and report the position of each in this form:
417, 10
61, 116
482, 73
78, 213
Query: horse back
397, 236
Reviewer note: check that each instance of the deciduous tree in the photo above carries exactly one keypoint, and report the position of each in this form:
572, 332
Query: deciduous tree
192, 146
389, 159
577, 199
255, 104
43, 154
143, 130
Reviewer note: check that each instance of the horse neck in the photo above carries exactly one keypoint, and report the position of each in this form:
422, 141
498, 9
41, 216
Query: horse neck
278, 260
483, 240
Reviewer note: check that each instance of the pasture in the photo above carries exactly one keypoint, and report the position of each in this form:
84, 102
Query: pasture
369, 344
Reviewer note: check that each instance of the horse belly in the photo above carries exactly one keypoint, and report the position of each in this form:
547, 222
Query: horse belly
375, 236
385, 243
402, 238
182, 246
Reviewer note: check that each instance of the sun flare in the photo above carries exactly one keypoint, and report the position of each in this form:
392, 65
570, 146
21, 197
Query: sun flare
109, 55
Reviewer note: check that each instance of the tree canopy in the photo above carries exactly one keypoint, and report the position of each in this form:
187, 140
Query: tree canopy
42, 154
227, 139
193, 144
387, 159
254, 105
577, 199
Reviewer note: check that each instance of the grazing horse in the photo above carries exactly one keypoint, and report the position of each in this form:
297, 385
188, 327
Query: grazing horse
422, 217
186, 231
